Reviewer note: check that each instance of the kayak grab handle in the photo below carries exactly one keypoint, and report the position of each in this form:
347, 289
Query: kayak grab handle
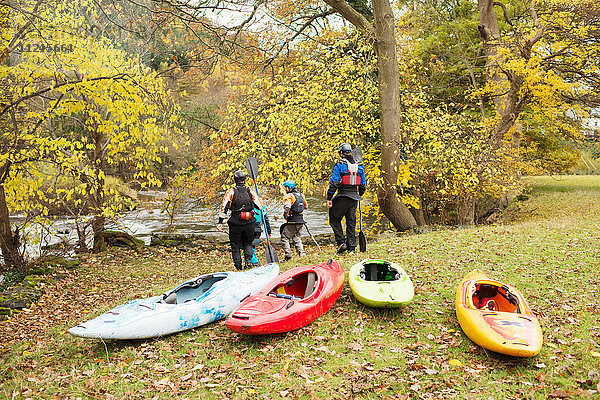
291, 303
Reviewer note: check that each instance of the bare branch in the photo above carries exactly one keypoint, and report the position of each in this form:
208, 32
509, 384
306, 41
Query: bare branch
504, 11
353, 16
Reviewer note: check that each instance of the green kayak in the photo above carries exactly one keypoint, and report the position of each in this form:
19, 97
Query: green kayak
380, 283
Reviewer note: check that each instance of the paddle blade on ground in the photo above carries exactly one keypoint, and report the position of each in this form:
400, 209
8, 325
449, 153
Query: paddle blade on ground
362, 242
271, 254
362, 239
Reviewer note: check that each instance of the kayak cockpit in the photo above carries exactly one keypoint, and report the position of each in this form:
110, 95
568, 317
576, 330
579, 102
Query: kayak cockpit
494, 296
191, 290
300, 286
379, 270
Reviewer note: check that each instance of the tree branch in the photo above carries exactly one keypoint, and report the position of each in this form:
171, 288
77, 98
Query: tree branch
46, 90
353, 16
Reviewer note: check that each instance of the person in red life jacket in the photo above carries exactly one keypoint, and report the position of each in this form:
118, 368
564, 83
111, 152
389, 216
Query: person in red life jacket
294, 204
349, 181
240, 201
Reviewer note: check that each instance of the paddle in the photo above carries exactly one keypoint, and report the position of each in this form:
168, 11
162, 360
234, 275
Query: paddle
270, 253
362, 240
313, 238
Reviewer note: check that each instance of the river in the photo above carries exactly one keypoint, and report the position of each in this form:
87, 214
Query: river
190, 218
147, 219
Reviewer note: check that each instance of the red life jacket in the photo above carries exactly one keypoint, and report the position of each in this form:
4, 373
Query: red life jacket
351, 176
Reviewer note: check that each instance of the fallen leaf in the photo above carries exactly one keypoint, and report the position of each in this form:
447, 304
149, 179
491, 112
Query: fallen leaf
455, 363
186, 377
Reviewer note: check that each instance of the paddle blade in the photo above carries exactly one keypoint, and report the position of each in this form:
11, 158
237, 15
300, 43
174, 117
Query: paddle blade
362, 242
271, 254
357, 155
252, 167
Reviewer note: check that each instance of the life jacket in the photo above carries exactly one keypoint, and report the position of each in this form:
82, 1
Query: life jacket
351, 176
242, 200
298, 206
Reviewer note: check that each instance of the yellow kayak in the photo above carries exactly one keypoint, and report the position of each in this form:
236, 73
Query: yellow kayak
496, 316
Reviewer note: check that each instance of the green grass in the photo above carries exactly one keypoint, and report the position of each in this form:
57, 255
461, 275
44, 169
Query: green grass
564, 183
547, 246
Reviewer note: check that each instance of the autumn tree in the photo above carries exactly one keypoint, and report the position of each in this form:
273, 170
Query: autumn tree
77, 103
296, 119
302, 21
532, 59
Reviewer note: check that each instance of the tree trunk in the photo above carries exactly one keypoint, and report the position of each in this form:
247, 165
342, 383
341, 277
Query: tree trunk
508, 104
467, 211
506, 134
9, 241
389, 103
98, 228
418, 213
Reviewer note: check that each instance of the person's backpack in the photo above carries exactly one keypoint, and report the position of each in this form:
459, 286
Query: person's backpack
298, 206
242, 200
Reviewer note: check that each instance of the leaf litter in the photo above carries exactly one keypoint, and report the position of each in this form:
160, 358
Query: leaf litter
353, 351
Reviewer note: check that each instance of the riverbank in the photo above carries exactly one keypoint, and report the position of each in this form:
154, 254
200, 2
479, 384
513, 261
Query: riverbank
545, 244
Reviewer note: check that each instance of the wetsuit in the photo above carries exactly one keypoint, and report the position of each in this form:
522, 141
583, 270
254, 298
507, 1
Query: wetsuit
240, 201
349, 181
294, 204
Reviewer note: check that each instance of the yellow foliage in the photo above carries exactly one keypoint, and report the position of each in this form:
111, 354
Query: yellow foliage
294, 121
100, 108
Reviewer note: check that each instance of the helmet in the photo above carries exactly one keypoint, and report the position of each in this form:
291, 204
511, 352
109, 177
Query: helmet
345, 148
289, 184
239, 176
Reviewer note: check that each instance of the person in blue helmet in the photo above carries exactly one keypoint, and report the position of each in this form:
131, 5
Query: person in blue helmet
258, 232
349, 181
294, 204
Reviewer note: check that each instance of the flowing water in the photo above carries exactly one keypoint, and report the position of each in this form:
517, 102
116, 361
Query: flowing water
191, 218
148, 219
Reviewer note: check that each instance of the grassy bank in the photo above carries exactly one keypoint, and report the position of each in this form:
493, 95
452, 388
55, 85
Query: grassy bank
547, 246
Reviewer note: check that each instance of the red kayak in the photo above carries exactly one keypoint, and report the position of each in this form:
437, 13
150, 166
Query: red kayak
292, 300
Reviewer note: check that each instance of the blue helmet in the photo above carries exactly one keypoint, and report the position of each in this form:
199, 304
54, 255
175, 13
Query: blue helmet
290, 184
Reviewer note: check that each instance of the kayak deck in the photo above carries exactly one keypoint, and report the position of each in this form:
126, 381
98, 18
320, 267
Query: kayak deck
293, 300
380, 283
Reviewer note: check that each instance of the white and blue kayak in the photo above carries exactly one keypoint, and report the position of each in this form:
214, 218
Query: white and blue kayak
197, 302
